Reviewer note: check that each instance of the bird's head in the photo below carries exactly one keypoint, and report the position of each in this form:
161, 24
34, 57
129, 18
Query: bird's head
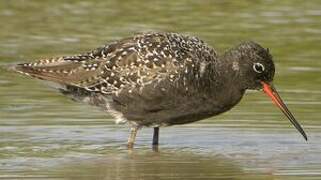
255, 67
253, 64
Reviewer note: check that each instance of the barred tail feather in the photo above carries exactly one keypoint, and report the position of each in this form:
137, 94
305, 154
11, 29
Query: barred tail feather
30, 71
60, 70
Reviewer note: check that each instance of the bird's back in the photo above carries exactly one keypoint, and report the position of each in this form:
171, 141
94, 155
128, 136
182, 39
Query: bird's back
143, 74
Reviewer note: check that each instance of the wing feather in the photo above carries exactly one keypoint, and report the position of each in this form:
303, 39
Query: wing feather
126, 64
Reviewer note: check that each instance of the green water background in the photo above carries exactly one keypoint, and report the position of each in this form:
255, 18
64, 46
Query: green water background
45, 135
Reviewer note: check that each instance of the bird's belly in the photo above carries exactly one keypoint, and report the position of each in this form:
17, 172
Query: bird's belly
153, 107
179, 109
182, 116
186, 111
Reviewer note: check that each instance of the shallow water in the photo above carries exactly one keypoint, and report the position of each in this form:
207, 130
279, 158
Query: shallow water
43, 135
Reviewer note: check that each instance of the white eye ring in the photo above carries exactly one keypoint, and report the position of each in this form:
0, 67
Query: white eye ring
258, 67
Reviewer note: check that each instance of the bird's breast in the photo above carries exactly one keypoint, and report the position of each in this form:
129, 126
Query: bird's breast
155, 107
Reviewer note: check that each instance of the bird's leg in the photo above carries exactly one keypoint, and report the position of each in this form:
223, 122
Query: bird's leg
155, 138
132, 137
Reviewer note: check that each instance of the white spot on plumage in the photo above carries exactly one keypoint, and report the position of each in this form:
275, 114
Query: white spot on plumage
202, 68
149, 54
235, 66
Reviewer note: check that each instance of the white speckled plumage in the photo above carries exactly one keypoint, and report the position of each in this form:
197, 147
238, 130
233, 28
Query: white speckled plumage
126, 65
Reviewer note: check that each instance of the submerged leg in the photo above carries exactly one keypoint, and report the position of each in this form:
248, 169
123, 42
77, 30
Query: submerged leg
132, 137
155, 138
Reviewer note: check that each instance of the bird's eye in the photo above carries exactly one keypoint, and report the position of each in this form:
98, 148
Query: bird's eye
258, 67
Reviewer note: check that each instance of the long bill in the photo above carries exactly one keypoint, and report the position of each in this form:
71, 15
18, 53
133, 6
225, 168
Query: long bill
271, 91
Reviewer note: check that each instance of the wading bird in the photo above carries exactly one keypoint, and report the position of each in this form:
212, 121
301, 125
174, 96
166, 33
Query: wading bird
161, 79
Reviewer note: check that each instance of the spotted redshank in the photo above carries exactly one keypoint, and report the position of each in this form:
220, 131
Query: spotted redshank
161, 79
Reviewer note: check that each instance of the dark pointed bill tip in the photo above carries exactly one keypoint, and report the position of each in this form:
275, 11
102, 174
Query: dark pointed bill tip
274, 95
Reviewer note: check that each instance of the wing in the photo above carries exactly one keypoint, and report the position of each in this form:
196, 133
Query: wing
127, 64
80, 70
150, 59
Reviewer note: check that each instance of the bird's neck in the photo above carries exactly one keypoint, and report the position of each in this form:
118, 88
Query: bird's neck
215, 76
231, 62
219, 83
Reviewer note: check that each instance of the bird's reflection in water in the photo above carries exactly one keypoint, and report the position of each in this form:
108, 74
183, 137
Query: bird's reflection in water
156, 165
